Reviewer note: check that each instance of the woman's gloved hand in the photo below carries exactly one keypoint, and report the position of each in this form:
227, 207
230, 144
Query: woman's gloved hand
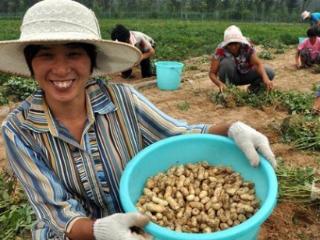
250, 141
118, 227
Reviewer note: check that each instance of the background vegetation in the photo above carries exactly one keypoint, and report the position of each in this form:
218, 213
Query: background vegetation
180, 39
244, 10
176, 40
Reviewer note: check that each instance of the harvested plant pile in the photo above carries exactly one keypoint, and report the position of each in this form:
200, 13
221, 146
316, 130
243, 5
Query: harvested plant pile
302, 131
292, 102
298, 184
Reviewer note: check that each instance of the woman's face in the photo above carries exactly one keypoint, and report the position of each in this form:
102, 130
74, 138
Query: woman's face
234, 48
62, 71
313, 39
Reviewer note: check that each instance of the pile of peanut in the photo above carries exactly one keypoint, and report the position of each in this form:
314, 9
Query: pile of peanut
198, 198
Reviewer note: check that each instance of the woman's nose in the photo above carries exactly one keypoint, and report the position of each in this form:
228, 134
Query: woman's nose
61, 66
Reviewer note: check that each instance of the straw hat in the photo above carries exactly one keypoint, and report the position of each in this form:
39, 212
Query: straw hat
305, 15
233, 34
61, 21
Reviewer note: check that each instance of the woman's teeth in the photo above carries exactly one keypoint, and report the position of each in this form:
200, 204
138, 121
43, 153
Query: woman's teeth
62, 84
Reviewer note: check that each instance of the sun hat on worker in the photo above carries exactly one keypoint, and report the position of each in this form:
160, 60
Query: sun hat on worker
63, 21
305, 15
233, 34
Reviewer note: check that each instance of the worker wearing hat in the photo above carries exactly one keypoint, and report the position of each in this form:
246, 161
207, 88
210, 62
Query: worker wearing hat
235, 62
314, 19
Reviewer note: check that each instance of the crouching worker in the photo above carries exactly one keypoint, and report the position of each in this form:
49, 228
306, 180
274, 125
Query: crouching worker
235, 62
140, 40
314, 19
308, 52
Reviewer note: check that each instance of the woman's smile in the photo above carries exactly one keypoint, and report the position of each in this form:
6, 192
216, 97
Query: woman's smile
63, 85
62, 71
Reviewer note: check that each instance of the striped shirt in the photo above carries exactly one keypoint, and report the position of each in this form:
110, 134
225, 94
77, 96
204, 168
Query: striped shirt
64, 179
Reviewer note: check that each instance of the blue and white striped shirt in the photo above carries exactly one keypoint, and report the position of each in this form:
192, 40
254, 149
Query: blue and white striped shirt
65, 180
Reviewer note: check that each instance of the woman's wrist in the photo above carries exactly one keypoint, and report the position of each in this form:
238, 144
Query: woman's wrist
220, 129
82, 229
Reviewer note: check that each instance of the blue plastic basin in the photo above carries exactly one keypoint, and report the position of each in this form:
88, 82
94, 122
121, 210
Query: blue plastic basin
217, 150
301, 39
168, 74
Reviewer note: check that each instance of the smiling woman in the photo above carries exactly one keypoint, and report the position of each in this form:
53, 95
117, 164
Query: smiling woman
61, 72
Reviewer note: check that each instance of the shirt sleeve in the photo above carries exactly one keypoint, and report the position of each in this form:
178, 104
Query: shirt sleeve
145, 45
219, 53
251, 49
155, 124
52, 203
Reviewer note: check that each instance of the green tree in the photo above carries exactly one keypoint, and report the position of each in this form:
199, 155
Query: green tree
212, 5
292, 5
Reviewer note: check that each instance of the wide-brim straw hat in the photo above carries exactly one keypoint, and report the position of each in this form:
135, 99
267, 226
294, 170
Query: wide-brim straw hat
233, 34
305, 15
65, 21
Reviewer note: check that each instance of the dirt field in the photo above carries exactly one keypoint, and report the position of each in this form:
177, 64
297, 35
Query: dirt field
289, 221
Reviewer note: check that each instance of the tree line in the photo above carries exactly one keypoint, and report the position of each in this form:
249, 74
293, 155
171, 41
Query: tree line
243, 10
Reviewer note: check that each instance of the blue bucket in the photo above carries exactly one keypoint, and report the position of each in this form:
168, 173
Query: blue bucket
168, 74
217, 150
301, 39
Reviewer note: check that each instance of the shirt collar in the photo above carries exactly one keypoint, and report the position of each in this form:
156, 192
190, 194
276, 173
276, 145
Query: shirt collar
38, 117
99, 98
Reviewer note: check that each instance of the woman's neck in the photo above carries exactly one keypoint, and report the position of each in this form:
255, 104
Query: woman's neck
72, 116
71, 111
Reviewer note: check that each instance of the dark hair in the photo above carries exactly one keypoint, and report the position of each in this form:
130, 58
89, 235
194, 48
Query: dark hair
30, 52
311, 32
120, 33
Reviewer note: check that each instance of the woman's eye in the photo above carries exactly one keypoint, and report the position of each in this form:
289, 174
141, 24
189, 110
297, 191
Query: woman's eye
75, 54
44, 55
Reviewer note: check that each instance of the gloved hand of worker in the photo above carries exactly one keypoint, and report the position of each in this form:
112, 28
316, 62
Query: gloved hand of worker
250, 141
119, 227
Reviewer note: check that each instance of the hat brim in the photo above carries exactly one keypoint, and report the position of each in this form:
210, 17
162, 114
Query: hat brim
244, 41
112, 57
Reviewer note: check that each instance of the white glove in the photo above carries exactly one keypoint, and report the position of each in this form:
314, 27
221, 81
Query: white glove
118, 227
250, 141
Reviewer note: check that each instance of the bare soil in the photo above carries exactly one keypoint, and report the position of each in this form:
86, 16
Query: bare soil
289, 221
